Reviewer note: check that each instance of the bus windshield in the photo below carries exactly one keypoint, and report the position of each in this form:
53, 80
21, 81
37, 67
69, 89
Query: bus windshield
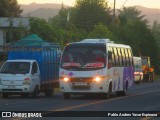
83, 58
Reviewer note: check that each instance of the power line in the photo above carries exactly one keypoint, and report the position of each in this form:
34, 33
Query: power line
123, 4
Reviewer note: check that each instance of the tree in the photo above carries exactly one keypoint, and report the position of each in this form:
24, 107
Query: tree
130, 14
156, 32
89, 13
9, 8
60, 20
133, 30
100, 31
42, 28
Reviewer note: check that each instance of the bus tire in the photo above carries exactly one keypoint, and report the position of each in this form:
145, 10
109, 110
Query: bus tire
66, 95
124, 92
107, 95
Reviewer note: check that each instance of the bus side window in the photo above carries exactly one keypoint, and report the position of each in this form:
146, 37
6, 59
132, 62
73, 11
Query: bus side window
116, 57
110, 63
120, 56
112, 56
130, 57
109, 55
127, 57
123, 57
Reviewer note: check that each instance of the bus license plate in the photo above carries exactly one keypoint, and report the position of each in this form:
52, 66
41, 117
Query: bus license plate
11, 87
80, 83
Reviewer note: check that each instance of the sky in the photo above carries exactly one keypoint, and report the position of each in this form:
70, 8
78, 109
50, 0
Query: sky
119, 3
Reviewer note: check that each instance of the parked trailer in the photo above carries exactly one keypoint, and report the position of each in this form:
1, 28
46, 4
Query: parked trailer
41, 75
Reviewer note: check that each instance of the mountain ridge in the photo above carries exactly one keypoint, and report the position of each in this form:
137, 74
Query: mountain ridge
48, 10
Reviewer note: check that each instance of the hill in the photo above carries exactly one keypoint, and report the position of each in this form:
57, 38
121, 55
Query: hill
51, 9
151, 14
41, 10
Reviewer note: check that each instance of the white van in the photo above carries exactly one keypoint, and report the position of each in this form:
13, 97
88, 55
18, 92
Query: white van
19, 77
138, 71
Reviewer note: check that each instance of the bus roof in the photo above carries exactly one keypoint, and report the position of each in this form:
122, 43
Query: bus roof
98, 42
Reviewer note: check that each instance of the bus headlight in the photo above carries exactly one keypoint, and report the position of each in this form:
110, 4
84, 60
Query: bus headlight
97, 79
66, 79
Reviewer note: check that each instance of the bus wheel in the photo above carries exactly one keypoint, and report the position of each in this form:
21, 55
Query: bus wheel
124, 92
107, 95
66, 95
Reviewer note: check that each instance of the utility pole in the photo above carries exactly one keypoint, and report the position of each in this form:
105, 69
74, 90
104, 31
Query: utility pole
10, 29
114, 11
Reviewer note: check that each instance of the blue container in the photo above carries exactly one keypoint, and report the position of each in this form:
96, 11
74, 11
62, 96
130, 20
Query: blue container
47, 57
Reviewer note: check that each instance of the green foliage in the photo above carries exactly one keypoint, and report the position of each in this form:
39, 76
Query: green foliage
42, 28
100, 31
9, 8
91, 12
129, 15
156, 33
133, 30
61, 19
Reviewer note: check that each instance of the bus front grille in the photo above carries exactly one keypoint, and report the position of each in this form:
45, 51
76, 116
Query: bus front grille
81, 79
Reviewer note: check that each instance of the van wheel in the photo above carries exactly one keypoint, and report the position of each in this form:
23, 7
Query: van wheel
66, 95
5, 95
35, 93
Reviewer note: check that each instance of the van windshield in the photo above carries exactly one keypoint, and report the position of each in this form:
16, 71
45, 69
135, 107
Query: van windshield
16, 68
83, 58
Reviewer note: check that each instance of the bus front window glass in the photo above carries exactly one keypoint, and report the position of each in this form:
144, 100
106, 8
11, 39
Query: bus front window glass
84, 57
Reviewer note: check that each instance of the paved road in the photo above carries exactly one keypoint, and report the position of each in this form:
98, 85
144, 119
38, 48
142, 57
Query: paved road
143, 97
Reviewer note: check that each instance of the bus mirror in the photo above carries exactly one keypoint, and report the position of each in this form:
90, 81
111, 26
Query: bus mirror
109, 55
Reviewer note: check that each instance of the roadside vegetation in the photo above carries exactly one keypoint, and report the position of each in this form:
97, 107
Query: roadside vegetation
93, 19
